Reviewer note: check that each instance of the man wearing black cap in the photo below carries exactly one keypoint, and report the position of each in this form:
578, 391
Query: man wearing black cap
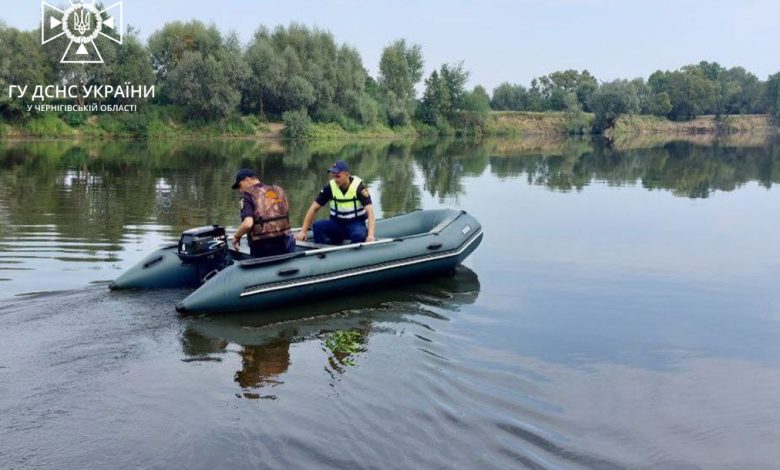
350, 208
264, 216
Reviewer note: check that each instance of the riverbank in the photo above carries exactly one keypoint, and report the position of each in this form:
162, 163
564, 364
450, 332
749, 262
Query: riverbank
162, 124
557, 123
735, 124
519, 123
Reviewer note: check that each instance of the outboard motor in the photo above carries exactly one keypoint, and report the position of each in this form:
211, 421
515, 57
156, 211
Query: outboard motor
205, 247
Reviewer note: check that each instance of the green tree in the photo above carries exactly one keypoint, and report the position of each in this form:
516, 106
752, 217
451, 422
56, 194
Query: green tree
267, 74
372, 88
576, 122
400, 69
691, 91
710, 70
190, 83
22, 64
660, 104
454, 77
509, 97
297, 66
691, 94
550, 91
610, 101
198, 69
395, 109
772, 95
474, 109
445, 98
740, 92
476, 100
349, 79
298, 93
169, 45
363, 108
128, 62
586, 86
436, 99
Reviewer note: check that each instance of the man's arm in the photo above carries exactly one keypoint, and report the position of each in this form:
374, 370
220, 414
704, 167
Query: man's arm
307, 221
243, 229
365, 199
371, 222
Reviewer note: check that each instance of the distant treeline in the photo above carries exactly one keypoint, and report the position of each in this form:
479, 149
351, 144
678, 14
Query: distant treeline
299, 74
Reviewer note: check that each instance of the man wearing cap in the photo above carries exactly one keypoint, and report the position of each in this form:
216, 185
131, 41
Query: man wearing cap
350, 208
264, 216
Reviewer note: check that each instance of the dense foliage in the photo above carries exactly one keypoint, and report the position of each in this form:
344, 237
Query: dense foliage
706, 88
302, 75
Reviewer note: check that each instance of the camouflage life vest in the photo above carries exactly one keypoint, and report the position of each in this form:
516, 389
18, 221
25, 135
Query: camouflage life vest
272, 217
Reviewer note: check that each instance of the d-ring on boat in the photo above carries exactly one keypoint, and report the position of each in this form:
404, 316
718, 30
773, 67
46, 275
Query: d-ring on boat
408, 246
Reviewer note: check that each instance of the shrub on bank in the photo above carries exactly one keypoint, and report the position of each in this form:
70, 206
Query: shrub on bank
579, 123
108, 125
425, 130
296, 124
158, 129
330, 130
47, 125
349, 125
468, 123
234, 126
136, 124
259, 125
75, 118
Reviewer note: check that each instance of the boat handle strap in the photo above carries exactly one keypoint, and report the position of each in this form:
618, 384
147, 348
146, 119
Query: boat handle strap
153, 261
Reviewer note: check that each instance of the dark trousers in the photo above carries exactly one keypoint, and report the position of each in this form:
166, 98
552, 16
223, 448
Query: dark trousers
334, 232
271, 246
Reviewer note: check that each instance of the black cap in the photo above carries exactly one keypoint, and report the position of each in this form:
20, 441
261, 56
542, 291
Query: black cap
243, 173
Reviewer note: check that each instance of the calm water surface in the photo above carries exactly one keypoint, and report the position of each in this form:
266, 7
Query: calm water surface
622, 311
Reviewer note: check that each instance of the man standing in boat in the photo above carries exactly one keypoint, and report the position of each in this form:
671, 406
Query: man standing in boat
264, 216
350, 208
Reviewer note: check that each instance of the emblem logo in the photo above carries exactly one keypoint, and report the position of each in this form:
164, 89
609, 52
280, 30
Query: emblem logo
81, 23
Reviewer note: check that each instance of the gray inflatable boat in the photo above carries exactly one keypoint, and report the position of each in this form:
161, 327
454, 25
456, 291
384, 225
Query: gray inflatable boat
408, 247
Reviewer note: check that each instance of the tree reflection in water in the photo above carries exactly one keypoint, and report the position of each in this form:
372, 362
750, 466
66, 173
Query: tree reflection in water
95, 202
97, 190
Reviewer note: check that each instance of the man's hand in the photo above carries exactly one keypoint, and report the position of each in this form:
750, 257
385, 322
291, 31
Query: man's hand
243, 229
301, 236
370, 238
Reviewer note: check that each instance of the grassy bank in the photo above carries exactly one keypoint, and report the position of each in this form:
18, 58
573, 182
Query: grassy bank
557, 123
151, 124
519, 123
170, 123
736, 124
154, 126
332, 130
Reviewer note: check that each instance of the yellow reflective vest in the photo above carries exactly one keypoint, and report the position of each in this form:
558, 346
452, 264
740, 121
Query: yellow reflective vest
346, 206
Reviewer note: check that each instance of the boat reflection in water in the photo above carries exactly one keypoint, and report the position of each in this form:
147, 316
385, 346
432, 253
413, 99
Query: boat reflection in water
345, 324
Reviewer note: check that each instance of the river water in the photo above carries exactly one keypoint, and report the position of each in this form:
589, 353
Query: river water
622, 311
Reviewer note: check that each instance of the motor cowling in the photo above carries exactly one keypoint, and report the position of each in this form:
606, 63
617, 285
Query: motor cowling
203, 245
206, 248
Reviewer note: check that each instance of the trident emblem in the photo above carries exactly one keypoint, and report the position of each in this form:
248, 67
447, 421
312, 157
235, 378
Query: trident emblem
82, 23
82, 20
